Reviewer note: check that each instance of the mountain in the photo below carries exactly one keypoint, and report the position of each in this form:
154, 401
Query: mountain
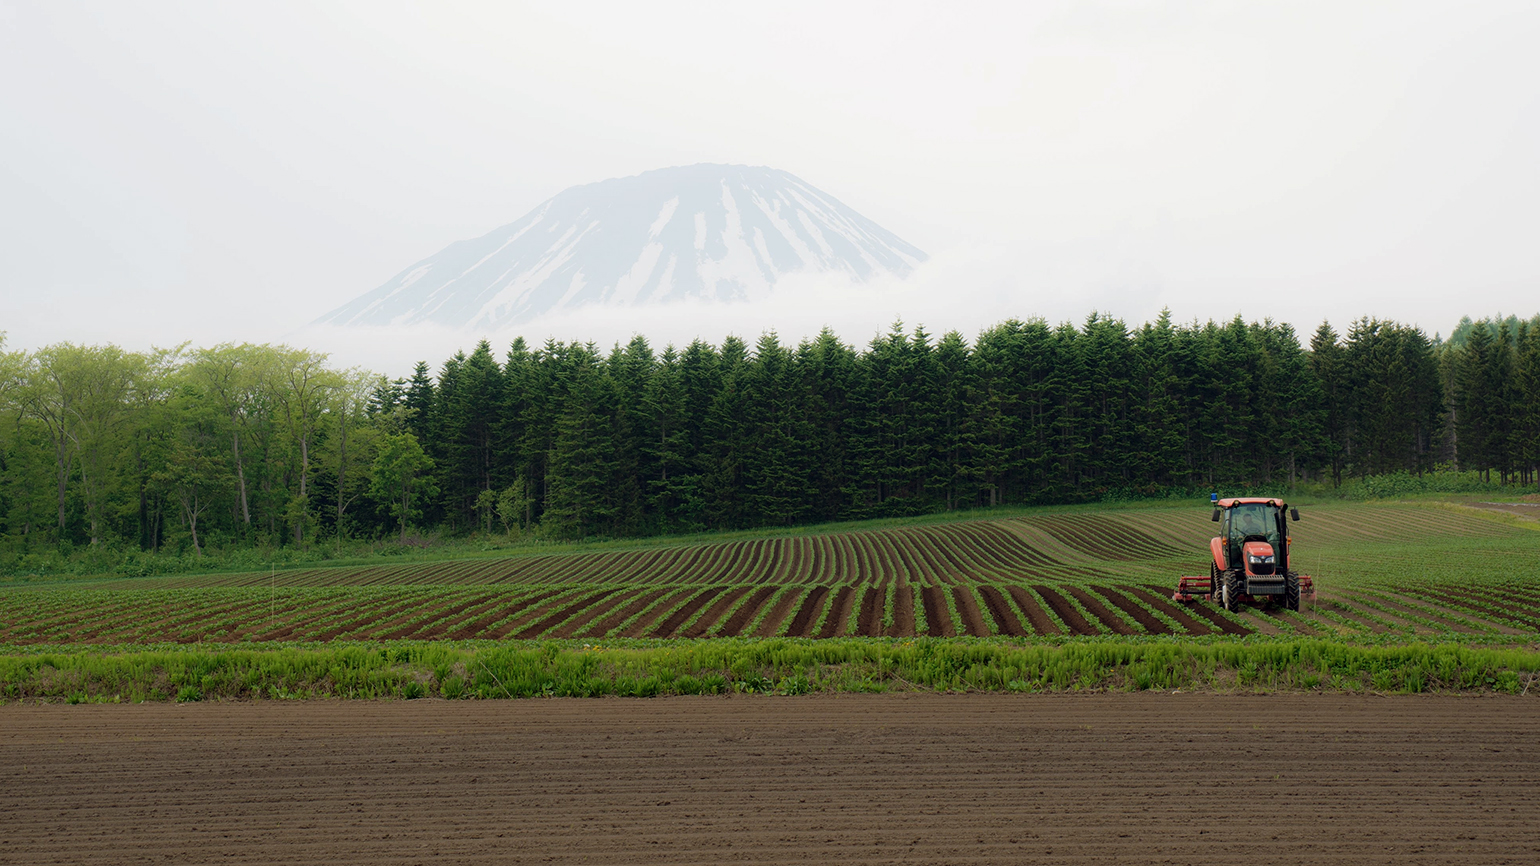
724, 232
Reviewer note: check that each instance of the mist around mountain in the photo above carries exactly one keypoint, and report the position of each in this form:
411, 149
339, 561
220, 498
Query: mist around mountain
700, 232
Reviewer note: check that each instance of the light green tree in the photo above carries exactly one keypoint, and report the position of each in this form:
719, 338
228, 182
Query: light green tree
195, 479
514, 505
400, 475
83, 395
301, 387
230, 376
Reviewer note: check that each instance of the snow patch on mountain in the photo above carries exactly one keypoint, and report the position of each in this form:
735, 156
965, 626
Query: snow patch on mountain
700, 232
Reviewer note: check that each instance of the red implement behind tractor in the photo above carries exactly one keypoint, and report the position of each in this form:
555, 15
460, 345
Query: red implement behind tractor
1249, 558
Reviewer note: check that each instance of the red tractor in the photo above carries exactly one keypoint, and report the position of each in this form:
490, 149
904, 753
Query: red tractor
1250, 557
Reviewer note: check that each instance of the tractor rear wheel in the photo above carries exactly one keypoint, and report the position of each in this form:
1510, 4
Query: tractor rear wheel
1291, 591
1230, 590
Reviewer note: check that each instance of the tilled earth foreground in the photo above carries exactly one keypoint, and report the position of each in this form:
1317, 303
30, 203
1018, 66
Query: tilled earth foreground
853, 778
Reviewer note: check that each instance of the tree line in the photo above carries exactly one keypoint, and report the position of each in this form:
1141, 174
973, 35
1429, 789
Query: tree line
260, 444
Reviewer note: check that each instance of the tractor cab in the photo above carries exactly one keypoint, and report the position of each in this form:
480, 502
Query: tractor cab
1252, 535
1250, 556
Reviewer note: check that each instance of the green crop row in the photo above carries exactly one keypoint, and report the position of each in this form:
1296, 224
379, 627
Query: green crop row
66, 616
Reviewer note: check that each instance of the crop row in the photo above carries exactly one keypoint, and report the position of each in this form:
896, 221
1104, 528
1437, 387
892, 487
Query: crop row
600, 611
1367, 542
948, 554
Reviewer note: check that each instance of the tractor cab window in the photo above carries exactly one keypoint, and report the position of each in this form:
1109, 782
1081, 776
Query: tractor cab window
1253, 519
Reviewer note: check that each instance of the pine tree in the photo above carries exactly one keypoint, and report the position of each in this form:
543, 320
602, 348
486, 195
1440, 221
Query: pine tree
954, 386
582, 464
1474, 396
774, 473
1300, 404
1527, 386
1070, 445
419, 400
826, 369
994, 426
1107, 354
1503, 442
723, 444
1159, 431
666, 446
1328, 364
471, 392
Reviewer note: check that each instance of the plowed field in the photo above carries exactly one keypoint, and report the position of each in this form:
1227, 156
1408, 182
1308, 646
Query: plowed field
855, 779
1410, 569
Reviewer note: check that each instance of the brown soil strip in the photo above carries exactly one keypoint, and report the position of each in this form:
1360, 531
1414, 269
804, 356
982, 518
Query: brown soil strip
171, 625
678, 616
317, 614
261, 619
1302, 623
802, 623
992, 780
968, 609
113, 621
869, 622
771, 624
1100, 611
1037, 618
1341, 609
1484, 605
593, 612
495, 614
757, 569
685, 565
839, 612
523, 613
903, 611
716, 611
1140, 614
938, 619
1258, 620
1219, 620
1523, 509
746, 612
615, 619
563, 614
1432, 616
442, 620
411, 613
1000, 611
1192, 624
1066, 611
68, 617
1371, 607
650, 618
368, 618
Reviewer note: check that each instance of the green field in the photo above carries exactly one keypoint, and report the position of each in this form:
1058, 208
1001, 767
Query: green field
1388, 575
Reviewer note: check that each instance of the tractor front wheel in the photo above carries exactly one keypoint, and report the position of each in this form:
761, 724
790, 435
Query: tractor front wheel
1291, 591
1230, 590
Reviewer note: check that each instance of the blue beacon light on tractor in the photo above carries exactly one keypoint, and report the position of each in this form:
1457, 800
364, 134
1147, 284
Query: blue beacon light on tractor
1213, 497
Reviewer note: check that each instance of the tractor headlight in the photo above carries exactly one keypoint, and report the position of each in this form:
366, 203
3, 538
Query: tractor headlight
1264, 559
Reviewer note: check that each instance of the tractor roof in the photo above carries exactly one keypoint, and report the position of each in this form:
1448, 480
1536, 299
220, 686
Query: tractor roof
1251, 500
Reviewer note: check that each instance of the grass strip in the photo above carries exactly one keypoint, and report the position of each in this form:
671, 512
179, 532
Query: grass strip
485, 669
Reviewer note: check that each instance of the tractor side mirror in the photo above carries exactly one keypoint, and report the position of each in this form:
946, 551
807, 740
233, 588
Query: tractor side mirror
1294, 514
1215, 518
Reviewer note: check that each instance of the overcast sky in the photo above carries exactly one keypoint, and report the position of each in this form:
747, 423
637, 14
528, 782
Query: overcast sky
213, 172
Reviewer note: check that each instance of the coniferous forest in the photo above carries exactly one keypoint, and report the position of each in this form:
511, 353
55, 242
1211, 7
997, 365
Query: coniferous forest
257, 445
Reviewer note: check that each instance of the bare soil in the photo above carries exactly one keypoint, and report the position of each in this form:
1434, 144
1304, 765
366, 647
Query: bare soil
1522, 509
855, 779
903, 611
